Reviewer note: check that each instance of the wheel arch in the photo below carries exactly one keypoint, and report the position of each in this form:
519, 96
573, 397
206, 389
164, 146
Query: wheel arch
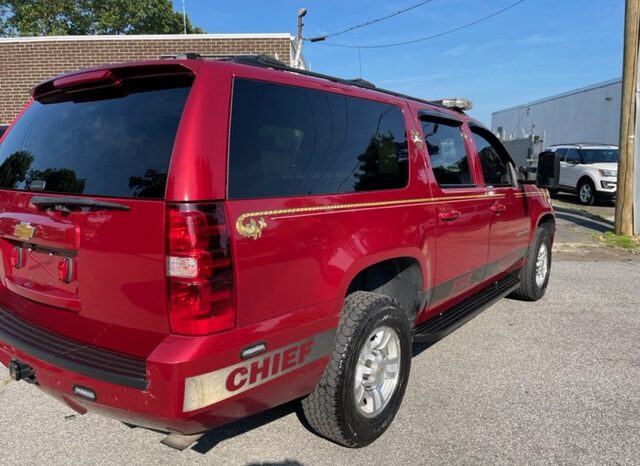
401, 276
548, 222
585, 177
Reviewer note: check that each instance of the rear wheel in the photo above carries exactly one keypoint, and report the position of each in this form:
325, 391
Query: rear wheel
586, 192
364, 383
535, 273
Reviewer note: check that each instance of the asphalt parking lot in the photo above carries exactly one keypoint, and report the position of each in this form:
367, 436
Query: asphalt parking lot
523, 383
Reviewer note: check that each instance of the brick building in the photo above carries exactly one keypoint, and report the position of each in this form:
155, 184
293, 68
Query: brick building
26, 61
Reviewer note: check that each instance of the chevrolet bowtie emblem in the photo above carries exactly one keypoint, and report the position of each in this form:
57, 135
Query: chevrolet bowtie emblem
24, 231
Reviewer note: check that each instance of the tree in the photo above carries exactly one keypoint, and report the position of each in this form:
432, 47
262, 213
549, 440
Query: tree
14, 169
90, 17
152, 184
61, 180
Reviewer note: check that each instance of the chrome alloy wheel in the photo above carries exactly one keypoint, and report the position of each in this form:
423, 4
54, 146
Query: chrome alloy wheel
542, 265
585, 193
377, 371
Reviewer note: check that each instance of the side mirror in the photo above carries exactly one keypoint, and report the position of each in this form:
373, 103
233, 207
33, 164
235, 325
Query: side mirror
548, 174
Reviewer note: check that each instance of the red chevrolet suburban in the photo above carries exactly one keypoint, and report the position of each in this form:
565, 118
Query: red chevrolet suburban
188, 242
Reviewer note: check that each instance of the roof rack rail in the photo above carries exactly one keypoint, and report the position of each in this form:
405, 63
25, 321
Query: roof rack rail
214, 56
583, 144
362, 82
258, 60
266, 61
181, 56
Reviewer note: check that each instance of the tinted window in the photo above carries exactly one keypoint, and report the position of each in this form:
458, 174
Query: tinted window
493, 160
288, 141
110, 147
561, 153
572, 155
447, 153
600, 155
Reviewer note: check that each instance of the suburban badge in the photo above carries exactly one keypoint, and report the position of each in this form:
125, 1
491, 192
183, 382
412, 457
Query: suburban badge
24, 231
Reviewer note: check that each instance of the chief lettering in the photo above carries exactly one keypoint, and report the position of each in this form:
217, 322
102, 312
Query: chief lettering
258, 371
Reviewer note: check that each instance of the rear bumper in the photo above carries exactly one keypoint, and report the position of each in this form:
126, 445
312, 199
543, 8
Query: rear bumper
78, 357
223, 387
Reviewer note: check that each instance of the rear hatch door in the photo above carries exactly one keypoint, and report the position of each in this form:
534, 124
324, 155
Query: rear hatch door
82, 214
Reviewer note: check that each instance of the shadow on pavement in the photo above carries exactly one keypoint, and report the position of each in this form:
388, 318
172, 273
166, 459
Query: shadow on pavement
217, 435
419, 348
214, 436
573, 200
577, 218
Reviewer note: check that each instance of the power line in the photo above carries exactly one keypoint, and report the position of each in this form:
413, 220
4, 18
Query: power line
373, 21
450, 31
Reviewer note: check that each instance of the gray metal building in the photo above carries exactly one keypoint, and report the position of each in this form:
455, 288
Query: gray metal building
588, 114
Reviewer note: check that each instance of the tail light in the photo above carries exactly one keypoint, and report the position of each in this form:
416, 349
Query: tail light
199, 269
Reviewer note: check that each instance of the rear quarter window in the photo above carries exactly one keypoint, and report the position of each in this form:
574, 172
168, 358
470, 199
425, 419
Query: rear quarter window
117, 147
289, 141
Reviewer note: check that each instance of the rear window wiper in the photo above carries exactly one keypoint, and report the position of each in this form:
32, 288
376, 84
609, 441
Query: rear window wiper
66, 204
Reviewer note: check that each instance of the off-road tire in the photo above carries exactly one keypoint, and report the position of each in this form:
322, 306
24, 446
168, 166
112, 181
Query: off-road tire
331, 408
529, 289
586, 183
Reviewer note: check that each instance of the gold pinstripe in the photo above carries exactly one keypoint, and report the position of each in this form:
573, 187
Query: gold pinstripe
529, 194
251, 224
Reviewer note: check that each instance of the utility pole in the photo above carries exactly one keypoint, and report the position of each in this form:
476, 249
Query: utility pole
184, 17
301, 13
628, 123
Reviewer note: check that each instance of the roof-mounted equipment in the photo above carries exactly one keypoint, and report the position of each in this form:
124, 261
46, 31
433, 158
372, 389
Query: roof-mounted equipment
455, 103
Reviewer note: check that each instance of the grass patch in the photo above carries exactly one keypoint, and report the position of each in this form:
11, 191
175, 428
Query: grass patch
4, 383
612, 240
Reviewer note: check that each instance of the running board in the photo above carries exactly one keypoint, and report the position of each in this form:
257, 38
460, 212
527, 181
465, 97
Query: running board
441, 325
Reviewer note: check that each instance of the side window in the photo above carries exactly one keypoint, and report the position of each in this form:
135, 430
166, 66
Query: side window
572, 156
494, 160
292, 141
447, 153
561, 153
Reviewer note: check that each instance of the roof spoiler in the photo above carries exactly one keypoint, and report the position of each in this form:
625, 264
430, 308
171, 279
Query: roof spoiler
105, 78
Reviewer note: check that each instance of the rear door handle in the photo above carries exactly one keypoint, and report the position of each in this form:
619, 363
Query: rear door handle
498, 208
449, 215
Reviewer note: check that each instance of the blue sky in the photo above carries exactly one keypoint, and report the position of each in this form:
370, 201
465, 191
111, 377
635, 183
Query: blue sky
534, 50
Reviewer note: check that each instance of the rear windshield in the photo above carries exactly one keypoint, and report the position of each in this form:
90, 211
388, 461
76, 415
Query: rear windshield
109, 147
